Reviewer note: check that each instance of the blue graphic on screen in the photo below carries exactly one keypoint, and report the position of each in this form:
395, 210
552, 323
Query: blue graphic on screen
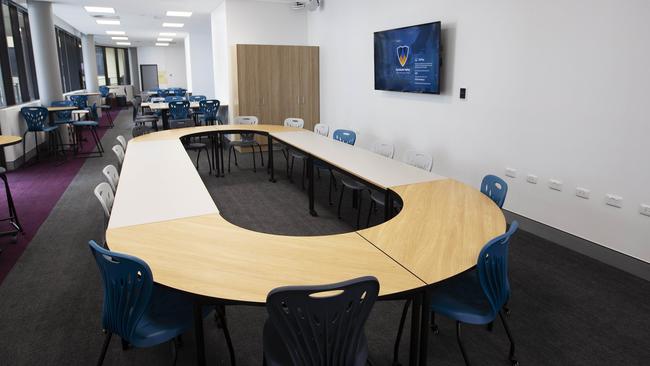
408, 59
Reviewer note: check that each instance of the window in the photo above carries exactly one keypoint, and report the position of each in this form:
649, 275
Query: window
70, 61
113, 66
17, 69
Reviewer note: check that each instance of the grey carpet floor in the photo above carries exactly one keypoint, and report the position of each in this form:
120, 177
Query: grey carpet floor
567, 309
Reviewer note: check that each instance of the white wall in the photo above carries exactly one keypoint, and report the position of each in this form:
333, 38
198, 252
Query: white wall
251, 22
555, 88
198, 56
170, 61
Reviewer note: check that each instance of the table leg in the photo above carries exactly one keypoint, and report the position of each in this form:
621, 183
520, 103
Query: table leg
388, 206
198, 332
416, 307
424, 327
165, 119
310, 178
221, 153
270, 142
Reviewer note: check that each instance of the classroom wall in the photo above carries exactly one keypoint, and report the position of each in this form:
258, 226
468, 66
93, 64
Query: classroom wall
170, 61
555, 88
220, 53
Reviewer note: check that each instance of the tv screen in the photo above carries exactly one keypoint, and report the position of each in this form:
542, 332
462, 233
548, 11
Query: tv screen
408, 59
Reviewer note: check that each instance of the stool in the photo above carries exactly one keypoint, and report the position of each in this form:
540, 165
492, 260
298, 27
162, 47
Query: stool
13, 215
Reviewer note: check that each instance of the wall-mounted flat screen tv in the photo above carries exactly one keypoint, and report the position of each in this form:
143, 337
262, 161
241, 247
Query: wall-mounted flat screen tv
408, 59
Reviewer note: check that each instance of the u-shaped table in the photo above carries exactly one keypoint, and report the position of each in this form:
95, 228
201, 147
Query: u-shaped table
164, 214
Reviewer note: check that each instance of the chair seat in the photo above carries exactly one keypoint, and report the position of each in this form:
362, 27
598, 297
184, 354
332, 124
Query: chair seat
276, 353
353, 184
64, 121
47, 129
379, 198
85, 123
461, 298
297, 155
170, 315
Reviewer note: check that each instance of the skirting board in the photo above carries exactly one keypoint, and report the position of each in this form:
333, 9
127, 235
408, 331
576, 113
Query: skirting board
598, 252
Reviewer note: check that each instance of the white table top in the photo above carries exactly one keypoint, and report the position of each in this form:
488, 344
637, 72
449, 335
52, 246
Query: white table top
158, 182
365, 164
164, 105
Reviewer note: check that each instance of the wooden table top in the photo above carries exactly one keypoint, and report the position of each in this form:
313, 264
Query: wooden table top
61, 109
8, 140
439, 232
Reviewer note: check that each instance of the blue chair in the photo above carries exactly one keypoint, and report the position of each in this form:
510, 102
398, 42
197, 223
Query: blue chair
141, 313
209, 110
91, 125
179, 111
307, 328
197, 98
37, 121
63, 117
495, 188
105, 91
476, 296
80, 101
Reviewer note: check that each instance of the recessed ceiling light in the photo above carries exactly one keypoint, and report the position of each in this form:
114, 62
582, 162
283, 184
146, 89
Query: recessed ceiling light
165, 39
108, 21
168, 34
99, 9
116, 33
184, 14
162, 44
173, 25
120, 38
123, 43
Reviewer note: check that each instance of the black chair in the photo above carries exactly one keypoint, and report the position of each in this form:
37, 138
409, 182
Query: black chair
319, 325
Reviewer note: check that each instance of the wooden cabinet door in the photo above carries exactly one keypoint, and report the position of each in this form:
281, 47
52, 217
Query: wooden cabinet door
248, 80
290, 83
309, 101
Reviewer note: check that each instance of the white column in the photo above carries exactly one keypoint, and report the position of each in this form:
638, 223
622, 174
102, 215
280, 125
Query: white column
135, 70
46, 60
90, 62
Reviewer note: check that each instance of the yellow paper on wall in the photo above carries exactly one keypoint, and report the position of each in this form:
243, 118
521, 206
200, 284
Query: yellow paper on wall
162, 77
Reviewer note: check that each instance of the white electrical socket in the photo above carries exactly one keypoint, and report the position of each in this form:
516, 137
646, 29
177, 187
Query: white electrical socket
583, 192
532, 179
644, 210
614, 200
511, 172
555, 184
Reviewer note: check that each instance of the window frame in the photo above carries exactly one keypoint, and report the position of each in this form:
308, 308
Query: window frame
127, 71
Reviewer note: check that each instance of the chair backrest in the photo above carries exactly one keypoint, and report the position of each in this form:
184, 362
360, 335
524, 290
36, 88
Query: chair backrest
128, 285
246, 120
294, 122
322, 129
104, 91
119, 152
347, 136
179, 109
104, 193
197, 98
112, 176
80, 101
122, 141
495, 188
419, 160
93, 113
210, 109
384, 148
63, 115
492, 269
322, 325
36, 118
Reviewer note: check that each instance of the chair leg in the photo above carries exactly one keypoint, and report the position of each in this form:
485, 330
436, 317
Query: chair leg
24, 156
99, 141
304, 173
174, 353
329, 193
198, 155
226, 333
13, 215
290, 171
261, 154
107, 341
400, 330
460, 344
372, 206
229, 152
38, 155
511, 355
338, 210
207, 154
254, 160
434, 325
359, 199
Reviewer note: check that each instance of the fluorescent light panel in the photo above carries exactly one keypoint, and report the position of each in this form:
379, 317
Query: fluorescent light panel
173, 25
184, 14
165, 39
108, 22
116, 33
99, 9
120, 38
162, 44
123, 43
166, 34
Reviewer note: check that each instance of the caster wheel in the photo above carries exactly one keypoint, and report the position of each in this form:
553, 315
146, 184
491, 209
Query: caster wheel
434, 329
514, 362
